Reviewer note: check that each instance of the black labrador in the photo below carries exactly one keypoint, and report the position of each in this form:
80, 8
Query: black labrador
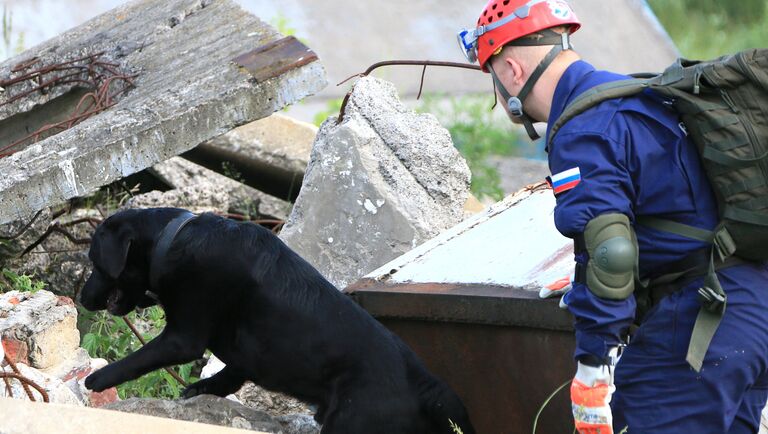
238, 290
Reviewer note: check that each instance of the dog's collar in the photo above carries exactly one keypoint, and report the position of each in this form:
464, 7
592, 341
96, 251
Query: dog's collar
163, 244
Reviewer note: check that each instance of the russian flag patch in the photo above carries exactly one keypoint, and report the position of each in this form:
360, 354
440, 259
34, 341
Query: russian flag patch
566, 180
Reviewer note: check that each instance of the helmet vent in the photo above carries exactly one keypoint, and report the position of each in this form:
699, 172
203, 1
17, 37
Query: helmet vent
485, 13
505, 2
500, 14
495, 5
490, 19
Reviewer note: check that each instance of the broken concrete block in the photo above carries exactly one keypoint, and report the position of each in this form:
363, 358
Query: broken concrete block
190, 70
269, 154
47, 326
204, 409
57, 391
378, 184
243, 199
277, 140
197, 198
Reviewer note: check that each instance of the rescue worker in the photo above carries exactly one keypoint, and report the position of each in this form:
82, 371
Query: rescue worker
611, 165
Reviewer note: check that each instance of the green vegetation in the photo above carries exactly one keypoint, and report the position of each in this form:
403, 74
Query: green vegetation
332, 108
110, 338
704, 29
479, 135
10, 280
282, 24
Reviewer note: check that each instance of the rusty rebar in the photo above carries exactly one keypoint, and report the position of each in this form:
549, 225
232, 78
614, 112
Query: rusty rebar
26, 382
21, 378
95, 74
423, 63
55, 228
22, 230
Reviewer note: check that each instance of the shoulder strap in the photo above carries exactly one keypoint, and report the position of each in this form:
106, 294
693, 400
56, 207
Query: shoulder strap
596, 95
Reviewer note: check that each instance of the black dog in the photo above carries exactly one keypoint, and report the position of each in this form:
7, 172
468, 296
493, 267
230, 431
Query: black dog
237, 290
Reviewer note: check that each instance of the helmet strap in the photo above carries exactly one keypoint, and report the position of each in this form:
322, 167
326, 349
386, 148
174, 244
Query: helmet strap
515, 104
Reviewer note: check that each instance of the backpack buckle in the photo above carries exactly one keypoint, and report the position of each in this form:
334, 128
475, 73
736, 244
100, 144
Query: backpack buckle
725, 246
712, 300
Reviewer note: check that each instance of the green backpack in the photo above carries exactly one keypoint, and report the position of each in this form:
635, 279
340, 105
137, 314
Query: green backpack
723, 104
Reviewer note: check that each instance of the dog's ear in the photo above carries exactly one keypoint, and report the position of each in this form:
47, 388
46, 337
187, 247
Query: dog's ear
109, 248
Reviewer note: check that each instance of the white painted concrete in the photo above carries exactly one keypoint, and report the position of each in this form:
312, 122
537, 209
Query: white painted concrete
513, 243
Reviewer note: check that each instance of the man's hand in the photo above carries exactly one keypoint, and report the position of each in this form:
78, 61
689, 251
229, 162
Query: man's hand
557, 288
591, 392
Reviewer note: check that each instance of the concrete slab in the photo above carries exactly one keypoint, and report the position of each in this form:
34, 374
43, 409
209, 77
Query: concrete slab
202, 68
270, 154
23, 417
513, 244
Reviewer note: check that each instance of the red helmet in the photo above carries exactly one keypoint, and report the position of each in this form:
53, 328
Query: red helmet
503, 21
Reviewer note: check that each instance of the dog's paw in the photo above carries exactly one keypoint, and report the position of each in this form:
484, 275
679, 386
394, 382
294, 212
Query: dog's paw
194, 389
97, 381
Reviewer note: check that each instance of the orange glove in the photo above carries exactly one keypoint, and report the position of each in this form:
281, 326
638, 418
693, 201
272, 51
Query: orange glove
591, 392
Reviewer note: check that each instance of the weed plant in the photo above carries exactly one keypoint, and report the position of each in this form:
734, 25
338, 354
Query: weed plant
109, 337
479, 134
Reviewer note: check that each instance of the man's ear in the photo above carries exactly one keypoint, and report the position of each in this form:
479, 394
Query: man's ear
110, 247
515, 71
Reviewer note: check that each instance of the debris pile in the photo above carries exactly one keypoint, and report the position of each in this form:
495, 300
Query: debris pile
242, 70
42, 345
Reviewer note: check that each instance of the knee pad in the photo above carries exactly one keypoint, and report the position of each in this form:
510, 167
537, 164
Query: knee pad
613, 253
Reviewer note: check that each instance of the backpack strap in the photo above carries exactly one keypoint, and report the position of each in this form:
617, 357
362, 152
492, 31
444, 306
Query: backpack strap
711, 294
596, 95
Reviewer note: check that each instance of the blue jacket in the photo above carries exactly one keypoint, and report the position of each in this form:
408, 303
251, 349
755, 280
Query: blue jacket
635, 159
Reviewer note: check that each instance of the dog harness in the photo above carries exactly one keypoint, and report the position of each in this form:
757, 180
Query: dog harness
160, 250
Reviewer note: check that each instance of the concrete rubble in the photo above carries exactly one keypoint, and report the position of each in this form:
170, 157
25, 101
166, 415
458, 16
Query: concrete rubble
294, 415
379, 183
270, 154
203, 409
19, 417
243, 70
242, 199
39, 334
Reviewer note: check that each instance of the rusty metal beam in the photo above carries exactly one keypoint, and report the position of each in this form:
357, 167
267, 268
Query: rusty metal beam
275, 58
478, 304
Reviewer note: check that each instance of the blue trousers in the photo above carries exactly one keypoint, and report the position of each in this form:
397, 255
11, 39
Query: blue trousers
658, 392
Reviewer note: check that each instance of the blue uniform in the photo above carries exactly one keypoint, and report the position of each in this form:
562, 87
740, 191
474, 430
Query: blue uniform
634, 158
